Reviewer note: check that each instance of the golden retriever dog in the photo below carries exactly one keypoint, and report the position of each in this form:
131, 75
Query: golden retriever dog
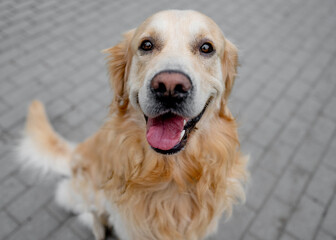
166, 164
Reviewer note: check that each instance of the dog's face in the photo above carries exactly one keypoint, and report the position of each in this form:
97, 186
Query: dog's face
171, 68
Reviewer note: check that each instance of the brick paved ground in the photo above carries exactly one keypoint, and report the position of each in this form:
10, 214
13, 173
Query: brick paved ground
284, 98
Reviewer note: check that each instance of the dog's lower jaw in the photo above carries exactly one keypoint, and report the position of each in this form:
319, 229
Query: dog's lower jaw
189, 126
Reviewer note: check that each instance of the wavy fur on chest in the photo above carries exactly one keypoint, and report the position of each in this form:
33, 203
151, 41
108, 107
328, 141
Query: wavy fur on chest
166, 196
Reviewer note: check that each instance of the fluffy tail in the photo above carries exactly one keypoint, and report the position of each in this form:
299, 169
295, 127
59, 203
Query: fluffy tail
41, 147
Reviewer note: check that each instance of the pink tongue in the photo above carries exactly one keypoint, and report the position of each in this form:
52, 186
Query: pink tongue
164, 132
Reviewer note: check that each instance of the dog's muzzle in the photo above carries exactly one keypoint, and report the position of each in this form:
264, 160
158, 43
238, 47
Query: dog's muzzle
168, 130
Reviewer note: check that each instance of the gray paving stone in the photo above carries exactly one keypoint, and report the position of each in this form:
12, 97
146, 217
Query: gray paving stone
329, 158
261, 183
314, 69
21, 95
104, 97
46, 5
245, 130
236, 105
278, 58
322, 185
79, 229
309, 110
283, 110
89, 128
32, 177
330, 220
12, 138
250, 236
298, 90
323, 130
13, 117
90, 106
291, 184
58, 76
58, 89
60, 57
77, 134
37, 228
288, 236
64, 233
62, 127
299, 57
322, 235
271, 220
34, 58
56, 44
294, 132
4, 149
29, 202
33, 72
308, 154
248, 91
58, 108
266, 70
305, 219
235, 226
38, 27
288, 72
75, 118
310, 73
38, 40
3, 107
58, 212
330, 109
254, 151
9, 189
6, 71
82, 92
7, 165
100, 116
265, 132
13, 41
277, 158
323, 90
44, 96
7, 225
9, 54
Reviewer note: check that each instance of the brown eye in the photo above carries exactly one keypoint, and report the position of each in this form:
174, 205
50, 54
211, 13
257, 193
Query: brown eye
206, 48
146, 45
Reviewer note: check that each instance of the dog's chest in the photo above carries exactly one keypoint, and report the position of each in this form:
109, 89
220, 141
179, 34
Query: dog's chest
164, 214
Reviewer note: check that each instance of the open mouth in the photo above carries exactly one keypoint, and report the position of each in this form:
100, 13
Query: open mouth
168, 133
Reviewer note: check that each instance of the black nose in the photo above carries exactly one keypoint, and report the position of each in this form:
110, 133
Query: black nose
174, 86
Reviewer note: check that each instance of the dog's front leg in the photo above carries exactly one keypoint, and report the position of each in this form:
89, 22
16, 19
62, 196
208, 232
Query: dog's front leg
92, 221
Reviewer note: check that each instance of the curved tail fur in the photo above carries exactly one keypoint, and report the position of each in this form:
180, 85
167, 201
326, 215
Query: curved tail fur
41, 147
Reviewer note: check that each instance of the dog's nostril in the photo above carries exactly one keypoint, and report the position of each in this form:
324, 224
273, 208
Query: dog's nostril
180, 89
161, 88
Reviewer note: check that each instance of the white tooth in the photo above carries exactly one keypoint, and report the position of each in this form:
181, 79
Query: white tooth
182, 134
184, 122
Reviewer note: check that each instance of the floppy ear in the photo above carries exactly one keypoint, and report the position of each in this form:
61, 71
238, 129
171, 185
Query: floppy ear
229, 70
229, 67
119, 61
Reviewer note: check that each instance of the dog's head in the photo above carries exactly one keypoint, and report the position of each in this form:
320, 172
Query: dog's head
171, 69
